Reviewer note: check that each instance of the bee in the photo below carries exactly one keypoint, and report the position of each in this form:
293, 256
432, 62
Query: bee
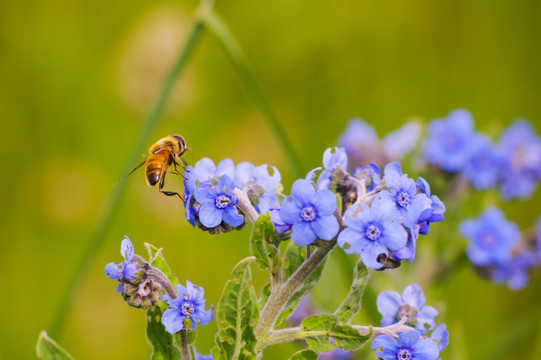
165, 153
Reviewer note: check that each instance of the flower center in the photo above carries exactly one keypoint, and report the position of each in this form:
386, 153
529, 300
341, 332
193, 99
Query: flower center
451, 141
308, 213
407, 312
222, 201
404, 354
402, 198
187, 309
488, 239
373, 232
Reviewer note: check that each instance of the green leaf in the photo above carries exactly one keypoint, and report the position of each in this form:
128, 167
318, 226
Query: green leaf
237, 315
48, 349
293, 259
305, 354
164, 345
265, 293
265, 246
157, 260
317, 330
352, 302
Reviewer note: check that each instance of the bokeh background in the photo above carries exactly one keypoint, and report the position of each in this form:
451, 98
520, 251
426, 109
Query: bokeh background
78, 78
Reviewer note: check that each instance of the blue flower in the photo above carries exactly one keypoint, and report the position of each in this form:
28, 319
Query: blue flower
190, 304
199, 356
332, 158
409, 346
440, 335
336, 354
438, 207
372, 232
484, 166
218, 203
126, 270
522, 163
490, 237
260, 183
189, 188
310, 213
411, 305
372, 172
515, 273
403, 192
448, 141
538, 240
206, 170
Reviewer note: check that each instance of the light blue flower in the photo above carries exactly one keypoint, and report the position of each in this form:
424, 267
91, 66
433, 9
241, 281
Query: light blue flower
190, 304
310, 213
441, 336
515, 273
490, 238
409, 346
206, 170
126, 270
410, 305
448, 141
332, 158
373, 231
260, 183
484, 167
218, 203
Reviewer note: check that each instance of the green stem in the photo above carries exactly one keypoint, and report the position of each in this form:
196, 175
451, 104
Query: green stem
152, 121
185, 352
233, 50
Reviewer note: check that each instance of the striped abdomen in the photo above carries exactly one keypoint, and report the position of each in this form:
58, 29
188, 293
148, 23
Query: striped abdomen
156, 166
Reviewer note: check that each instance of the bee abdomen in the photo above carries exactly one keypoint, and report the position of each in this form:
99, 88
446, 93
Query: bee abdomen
155, 167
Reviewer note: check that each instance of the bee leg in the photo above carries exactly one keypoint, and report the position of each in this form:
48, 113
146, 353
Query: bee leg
168, 193
176, 170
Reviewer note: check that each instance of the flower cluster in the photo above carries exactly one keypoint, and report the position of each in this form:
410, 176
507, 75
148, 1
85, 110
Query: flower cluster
212, 193
498, 249
383, 225
513, 163
362, 145
409, 309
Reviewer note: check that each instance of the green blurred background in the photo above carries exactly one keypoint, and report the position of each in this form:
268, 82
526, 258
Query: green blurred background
79, 78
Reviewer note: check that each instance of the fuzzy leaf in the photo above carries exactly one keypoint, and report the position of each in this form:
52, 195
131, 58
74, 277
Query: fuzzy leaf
265, 293
305, 354
237, 315
165, 346
48, 349
265, 246
352, 302
158, 261
293, 259
317, 331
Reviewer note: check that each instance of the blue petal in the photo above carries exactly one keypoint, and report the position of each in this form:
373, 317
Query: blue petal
302, 233
385, 347
113, 271
425, 349
348, 239
119, 288
325, 227
210, 215
414, 296
423, 186
226, 167
392, 174
370, 254
173, 321
388, 303
279, 224
205, 317
290, 212
232, 217
129, 272
205, 193
312, 174
225, 183
441, 336
408, 339
243, 173
204, 170
325, 202
126, 249
394, 237
302, 192
333, 157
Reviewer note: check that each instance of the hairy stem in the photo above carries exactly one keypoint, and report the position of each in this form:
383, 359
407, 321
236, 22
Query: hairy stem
184, 345
165, 283
245, 205
233, 50
106, 218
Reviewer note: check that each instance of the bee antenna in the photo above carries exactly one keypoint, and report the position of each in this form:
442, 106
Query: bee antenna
191, 152
128, 174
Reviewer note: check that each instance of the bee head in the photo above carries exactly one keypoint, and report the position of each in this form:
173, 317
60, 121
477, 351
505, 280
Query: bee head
181, 143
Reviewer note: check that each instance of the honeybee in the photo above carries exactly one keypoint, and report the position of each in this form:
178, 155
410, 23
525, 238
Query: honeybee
164, 153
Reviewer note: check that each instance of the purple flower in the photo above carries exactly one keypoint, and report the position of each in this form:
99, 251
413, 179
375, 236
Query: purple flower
371, 172
484, 166
538, 240
490, 237
372, 232
218, 203
409, 346
515, 273
260, 183
189, 189
190, 304
522, 163
126, 270
411, 305
310, 213
448, 141
332, 158
280, 226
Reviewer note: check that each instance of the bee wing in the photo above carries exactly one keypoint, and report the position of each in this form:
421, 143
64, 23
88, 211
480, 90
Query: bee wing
128, 174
